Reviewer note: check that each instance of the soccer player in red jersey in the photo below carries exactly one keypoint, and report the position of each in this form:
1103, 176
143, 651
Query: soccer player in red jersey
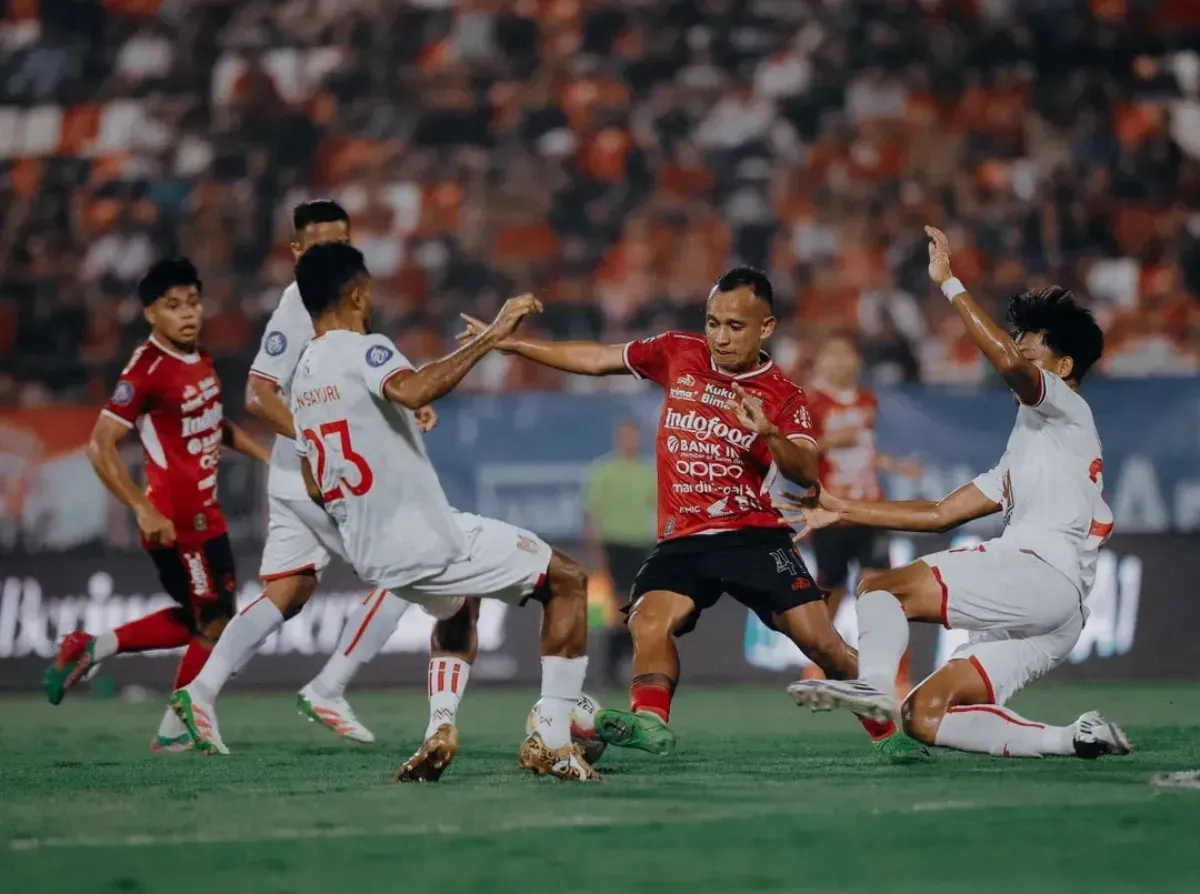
169, 393
843, 417
731, 423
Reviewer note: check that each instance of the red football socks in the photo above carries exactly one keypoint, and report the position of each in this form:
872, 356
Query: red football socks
877, 730
652, 697
192, 662
166, 629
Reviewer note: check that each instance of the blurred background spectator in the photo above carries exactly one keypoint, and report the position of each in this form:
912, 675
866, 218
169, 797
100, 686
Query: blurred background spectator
612, 155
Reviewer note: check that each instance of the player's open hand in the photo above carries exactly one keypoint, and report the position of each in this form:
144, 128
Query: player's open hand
427, 418
808, 513
156, 528
512, 313
750, 412
939, 255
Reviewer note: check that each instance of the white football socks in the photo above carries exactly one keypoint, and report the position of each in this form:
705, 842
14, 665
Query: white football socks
988, 729
447, 682
562, 684
105, 646
244, 634
882, 639
367, 629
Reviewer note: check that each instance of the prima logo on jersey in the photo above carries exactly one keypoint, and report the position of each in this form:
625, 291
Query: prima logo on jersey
682, 394
210, 418
123, 394
378, 355
275, 343
705, 427
709, 471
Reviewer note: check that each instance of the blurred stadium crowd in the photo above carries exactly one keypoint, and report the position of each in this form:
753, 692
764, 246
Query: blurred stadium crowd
612, 155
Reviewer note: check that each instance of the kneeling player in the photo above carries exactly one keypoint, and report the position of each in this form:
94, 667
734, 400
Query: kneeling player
367, 458
1022, 595
731, 422
170, 393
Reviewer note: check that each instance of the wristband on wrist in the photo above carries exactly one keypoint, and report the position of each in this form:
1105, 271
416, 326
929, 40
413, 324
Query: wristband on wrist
952, 288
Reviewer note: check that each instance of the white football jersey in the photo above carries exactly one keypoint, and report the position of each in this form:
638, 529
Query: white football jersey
287, 334
368, 457
1050, 484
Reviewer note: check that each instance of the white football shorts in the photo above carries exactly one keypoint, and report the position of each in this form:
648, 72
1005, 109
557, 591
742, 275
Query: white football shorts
503, 562
1024, 615
300, 537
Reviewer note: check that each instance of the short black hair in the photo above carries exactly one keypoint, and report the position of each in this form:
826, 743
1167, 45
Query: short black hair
1068, 328
318, 211
757, 281
166, 273
323, 271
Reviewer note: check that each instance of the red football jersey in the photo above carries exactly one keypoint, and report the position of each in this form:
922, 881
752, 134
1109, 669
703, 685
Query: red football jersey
174, 401
850, 472
713, 474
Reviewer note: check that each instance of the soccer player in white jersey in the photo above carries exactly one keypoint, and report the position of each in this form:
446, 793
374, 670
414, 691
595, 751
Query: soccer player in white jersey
352, 400
301, 537
1022, 595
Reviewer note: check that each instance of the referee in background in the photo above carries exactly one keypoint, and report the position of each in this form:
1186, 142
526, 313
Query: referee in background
622, 496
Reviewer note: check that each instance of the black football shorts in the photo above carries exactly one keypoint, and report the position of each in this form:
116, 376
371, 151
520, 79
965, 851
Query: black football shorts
200, 577
837, 546
759, 567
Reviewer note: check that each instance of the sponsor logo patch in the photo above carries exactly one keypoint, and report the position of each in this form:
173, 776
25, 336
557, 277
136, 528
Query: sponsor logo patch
275, 343
378, 355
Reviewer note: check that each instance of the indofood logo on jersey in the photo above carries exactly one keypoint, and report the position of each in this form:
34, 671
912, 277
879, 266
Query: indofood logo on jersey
706, 427
210, 418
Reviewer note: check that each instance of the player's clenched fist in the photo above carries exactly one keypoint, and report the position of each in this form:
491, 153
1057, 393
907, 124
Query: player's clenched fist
156, 528
939, 255
427, 418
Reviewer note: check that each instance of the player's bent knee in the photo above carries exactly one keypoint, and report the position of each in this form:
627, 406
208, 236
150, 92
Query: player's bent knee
656, 616
922, 713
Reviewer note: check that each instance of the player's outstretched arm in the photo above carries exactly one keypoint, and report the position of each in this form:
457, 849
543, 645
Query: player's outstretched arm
416, 388
236, 438
105, 458
585, 358
997, 345
263, 401
926, 516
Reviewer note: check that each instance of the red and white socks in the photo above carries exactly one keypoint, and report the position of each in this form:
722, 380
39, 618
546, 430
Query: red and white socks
989, 729
367, 630
447, 682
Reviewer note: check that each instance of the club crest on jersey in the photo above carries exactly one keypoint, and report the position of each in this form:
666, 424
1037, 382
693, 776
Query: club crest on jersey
378, 355
123, 393
275, 343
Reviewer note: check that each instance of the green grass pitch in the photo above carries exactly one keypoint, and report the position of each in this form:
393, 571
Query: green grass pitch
760, 797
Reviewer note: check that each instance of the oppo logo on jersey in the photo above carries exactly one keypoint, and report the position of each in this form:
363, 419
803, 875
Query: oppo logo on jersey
705, 427
708, 470
210, 418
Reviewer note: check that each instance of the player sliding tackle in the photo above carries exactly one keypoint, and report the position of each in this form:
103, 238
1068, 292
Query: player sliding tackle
353, 398
730, 423
1023, 595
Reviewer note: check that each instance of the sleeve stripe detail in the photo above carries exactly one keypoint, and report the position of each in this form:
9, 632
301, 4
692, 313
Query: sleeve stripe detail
395, 372
1041, 388
628, 364
259, 374
111, 415
803, 438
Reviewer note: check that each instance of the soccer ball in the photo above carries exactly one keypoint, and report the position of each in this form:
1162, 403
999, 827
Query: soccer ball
583, 726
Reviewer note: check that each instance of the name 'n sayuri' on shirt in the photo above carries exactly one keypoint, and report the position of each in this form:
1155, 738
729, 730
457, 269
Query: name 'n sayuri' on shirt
369, 459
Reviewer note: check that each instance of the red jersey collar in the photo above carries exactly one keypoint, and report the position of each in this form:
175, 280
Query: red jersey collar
193, 357
749, 374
